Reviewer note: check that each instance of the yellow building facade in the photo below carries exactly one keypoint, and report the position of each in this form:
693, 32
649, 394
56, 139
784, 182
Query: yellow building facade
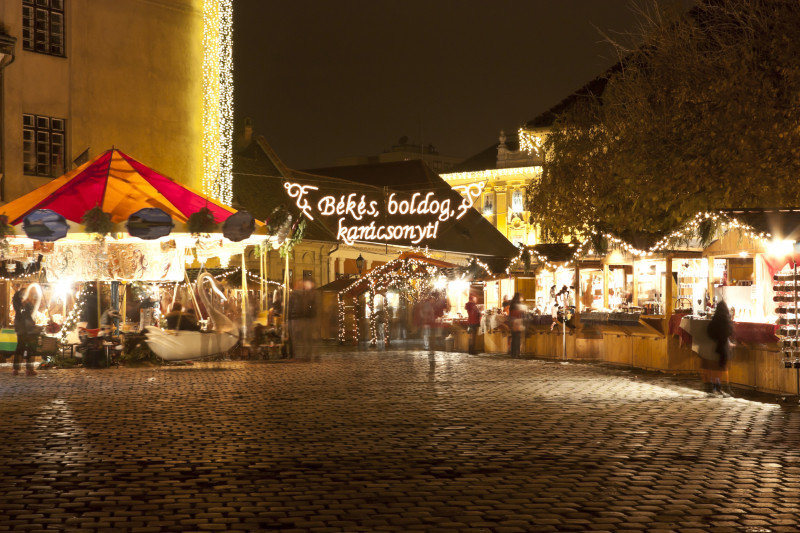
496, 181
139, 75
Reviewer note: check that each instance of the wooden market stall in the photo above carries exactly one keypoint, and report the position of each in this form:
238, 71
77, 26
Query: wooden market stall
633, 307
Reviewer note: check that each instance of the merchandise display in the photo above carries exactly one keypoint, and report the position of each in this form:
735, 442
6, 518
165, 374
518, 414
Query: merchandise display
786, 286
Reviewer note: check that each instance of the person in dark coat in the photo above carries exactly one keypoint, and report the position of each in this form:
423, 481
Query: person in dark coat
27, 333
516, 315
302, 312
89, 311
473, 323
720, 330
177, 318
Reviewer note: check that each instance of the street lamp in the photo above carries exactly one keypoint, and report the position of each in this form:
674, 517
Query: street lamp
359, 263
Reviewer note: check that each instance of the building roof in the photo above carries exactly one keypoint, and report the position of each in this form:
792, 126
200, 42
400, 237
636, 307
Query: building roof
782, 223
485, 159
471, 235
258, 186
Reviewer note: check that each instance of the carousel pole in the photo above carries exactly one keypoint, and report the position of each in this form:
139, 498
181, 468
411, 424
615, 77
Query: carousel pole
265, 278
99, 310
263, 250
286, 288
244, 297
191, 294
124, 305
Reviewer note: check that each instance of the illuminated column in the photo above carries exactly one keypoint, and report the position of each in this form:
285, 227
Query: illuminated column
218, 99
501, 209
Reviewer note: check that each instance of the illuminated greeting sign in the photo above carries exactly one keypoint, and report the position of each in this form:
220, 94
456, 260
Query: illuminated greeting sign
470, 192
362, 217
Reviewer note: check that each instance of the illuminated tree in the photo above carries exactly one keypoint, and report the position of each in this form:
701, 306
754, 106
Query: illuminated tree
704, 113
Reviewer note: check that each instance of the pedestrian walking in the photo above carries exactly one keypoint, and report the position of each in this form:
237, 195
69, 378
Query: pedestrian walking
27, 333
425, 318
473, 323
516, 312
720, 330
302, 314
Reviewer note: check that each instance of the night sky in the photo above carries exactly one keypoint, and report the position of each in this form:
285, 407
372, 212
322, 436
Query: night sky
325, 79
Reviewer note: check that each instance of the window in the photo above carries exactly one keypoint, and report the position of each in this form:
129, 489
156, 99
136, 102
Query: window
43, 146
488, 203
517, 202
43, 26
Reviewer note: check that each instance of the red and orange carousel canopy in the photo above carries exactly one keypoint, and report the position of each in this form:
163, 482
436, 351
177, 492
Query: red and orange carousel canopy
120, 185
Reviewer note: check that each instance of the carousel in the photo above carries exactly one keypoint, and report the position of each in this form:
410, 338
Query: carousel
105, 248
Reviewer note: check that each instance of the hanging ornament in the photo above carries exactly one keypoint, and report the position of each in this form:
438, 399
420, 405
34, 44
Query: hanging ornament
201, 223
97, 221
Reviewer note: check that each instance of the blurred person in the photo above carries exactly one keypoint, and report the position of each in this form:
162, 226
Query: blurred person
179, 319
302, 313
27, 333
473, 322
89, 310
425, 318
108, 320
380, 319
506, 304
720, 330
516, 312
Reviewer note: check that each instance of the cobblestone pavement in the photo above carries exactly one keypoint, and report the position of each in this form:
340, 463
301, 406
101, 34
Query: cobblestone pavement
391, 441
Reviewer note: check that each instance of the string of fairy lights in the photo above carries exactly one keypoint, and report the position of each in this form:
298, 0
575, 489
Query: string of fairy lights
218, 100
406, 275
71, 320
255, 278
530, 142
688, 231
400, 273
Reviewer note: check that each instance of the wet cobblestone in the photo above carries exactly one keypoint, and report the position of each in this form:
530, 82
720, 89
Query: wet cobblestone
391, 441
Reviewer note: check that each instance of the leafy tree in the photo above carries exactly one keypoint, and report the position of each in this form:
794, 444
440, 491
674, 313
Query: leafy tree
704, 113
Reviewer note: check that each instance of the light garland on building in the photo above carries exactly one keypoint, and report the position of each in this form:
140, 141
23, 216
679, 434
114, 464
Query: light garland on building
218, 100
530, 142
492, 173
226, 102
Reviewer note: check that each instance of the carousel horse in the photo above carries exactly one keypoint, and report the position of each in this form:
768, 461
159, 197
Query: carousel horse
180, 344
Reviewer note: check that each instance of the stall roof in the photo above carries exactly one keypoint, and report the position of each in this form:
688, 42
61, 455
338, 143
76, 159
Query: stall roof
337, 285
120, 185
782, 223
362, 284
560, 252
258, 187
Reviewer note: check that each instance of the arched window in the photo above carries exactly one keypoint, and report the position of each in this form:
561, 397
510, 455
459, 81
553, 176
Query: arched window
488, 203
517, 202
